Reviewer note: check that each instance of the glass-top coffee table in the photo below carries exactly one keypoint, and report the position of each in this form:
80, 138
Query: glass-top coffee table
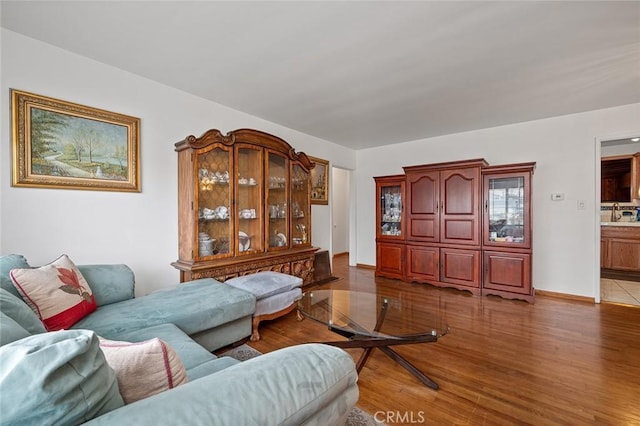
373, 321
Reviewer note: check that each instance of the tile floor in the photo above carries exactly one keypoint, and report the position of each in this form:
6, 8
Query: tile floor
619, 291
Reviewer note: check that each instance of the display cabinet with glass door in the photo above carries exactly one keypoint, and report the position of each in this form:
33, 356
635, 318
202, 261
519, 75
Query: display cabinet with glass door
300, 206
507, 230
248, 200
243, 206
390, 249
277, 201
213, 198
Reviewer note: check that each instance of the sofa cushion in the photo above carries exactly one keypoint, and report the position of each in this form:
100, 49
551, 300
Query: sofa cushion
16, 309
193, 307
56, 378
144, 368
191, 353
57, 293
10, 331
7, 263
266, 283
109, 283
211, 366
285, 387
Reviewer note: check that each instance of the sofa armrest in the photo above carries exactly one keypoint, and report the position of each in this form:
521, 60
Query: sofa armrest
291, 386
109, 283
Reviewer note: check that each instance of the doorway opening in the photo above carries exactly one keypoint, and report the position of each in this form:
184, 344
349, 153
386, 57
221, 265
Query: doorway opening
341, 208
618, 199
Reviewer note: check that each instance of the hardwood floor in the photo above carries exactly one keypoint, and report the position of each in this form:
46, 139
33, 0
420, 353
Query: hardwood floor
504, 362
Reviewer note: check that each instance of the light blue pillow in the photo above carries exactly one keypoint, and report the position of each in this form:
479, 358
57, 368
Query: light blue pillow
15, 308
7, 263
266, 283
59, 377
109, 283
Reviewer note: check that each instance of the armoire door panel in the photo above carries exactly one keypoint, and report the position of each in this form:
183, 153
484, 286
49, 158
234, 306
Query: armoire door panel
423, 262
508, 272
390, 260
460, 217
423, 228
424, 194
460, 230
460, 194
460, 267
423, 207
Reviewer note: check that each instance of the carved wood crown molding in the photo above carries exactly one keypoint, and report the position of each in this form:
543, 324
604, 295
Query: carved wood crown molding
248, 136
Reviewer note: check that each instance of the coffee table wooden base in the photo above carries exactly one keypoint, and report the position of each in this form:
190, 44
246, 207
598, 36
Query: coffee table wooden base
369, 343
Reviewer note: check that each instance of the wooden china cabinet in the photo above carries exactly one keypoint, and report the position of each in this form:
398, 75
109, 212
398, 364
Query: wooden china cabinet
507, 231
244, 205
466, 225
390, 245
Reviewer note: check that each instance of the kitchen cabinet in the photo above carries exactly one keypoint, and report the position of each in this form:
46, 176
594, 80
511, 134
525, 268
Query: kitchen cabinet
620, 248
244, 206
506, 236
620, 178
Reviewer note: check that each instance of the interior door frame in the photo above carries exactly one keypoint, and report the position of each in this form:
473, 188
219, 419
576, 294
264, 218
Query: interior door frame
596, 197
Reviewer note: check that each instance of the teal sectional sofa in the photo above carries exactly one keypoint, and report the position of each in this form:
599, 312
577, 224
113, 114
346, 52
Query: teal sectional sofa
305, 384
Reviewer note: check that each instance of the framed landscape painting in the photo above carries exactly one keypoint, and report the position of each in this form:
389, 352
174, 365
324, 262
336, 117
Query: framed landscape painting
59, 144
319, 181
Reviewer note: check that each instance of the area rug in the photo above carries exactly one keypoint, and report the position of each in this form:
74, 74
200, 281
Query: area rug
357, 417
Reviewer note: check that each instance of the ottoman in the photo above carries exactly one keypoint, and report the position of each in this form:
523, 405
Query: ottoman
276, 295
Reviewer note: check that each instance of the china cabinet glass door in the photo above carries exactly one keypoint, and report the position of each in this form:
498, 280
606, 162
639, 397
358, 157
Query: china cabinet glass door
248, 200
507, 211
300, 203
390, 210
277, 178
213, 201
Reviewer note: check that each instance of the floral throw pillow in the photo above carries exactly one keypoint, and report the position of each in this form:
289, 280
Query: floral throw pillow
57, 293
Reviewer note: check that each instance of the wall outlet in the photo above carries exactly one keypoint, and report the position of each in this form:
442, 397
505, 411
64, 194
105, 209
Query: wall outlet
581, 205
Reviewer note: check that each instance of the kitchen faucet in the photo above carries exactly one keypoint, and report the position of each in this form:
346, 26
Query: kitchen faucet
614, 216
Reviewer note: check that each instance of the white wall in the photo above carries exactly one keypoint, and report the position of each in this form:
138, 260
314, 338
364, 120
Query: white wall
138, 229
564, 238
141, 229
619, 149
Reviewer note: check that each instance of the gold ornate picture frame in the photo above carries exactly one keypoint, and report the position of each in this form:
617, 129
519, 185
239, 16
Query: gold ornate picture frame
319, 181
60, 144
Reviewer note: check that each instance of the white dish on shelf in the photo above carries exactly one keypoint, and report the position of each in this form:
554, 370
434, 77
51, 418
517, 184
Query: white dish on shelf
281, 239
244, 242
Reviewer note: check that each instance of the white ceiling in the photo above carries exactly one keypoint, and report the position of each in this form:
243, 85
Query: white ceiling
360, 73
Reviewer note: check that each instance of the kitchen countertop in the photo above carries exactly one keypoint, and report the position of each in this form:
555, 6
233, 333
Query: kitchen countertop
634, 224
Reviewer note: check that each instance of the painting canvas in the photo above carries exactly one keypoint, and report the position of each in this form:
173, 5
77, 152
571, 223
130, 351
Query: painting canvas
319, 181
60, 144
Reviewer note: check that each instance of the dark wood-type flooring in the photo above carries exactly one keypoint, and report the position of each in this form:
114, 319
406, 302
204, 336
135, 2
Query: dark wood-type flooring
504, 362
